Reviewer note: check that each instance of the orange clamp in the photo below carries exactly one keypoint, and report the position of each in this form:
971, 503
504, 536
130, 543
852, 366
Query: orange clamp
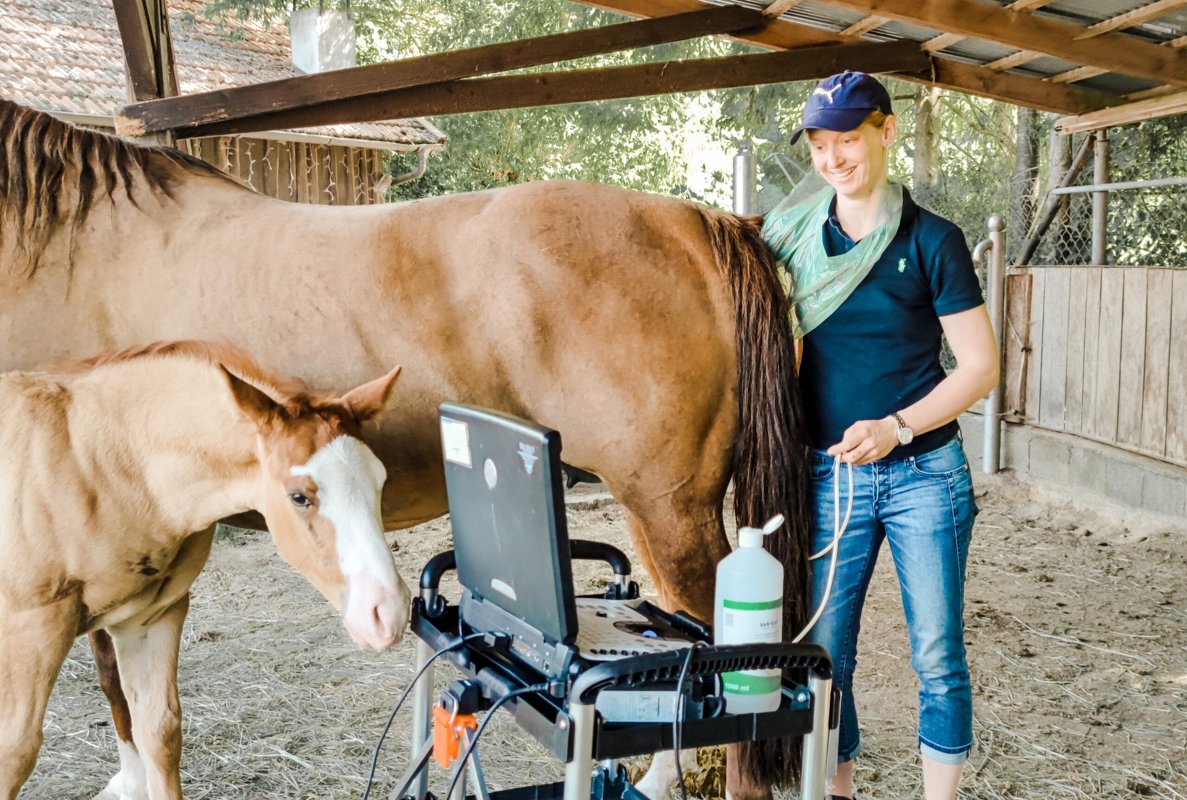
447, 734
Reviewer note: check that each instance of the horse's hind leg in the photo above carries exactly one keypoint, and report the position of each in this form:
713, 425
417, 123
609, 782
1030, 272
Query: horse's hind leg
147, 654
35, 643
679, 540
129, 782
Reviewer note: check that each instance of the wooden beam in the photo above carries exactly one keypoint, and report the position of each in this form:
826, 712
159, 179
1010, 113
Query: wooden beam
1125, 114
1077, 74
864, 26
938, 43
778, 7
225, 105
1014, 59
148, 48
1020, 90
781, 34
1132, 18
1153, 91
576, 86
990, 22
948, 39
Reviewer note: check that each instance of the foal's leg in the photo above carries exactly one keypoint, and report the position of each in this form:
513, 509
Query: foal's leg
147, 655
139, 634
129, 782
33, 644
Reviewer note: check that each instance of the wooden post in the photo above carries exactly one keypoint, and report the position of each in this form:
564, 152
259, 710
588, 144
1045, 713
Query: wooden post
1100, 200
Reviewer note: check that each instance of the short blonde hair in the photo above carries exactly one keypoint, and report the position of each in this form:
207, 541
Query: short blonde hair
876, 118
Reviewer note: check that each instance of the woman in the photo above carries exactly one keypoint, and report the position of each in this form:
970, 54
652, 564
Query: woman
877, 280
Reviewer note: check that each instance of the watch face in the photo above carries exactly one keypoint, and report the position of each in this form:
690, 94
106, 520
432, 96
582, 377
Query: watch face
905, 435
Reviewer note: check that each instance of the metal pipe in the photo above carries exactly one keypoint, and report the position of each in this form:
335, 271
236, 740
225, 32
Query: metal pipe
1121, 185
979, 253
745, 193
579, 770
422, 713
1100, 199
995, 290
815, 745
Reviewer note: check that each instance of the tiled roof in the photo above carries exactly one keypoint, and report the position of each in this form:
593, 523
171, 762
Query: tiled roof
65, 56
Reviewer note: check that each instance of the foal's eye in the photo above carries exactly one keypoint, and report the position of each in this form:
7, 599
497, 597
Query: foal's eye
300, 500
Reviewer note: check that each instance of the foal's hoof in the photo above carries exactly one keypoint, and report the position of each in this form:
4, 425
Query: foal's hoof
116, 790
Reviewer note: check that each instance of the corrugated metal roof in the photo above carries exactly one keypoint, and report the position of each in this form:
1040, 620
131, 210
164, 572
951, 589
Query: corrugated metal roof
65, 56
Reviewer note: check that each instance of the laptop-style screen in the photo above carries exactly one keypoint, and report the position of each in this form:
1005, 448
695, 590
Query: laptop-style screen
507, 510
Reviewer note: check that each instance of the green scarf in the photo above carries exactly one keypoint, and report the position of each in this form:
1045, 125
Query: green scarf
817, 282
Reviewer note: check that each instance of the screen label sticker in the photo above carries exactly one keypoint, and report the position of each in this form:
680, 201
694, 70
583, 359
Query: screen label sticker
455, 441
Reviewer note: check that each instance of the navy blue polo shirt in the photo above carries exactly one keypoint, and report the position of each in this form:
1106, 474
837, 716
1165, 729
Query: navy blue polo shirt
880, 351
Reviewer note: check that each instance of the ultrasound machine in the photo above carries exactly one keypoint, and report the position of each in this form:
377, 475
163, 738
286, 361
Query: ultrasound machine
593, 679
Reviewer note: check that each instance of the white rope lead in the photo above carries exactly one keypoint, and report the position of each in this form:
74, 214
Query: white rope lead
839, 526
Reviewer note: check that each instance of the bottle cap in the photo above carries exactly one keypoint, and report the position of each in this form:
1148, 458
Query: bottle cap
752, 537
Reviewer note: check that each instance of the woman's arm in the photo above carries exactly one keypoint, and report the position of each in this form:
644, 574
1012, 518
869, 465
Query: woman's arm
977, 366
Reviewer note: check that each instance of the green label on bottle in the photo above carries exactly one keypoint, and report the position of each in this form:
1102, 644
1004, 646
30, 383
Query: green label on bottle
761, 605
750, 684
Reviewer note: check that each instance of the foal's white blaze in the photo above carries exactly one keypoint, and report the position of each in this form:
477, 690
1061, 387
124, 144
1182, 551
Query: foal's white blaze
349, 480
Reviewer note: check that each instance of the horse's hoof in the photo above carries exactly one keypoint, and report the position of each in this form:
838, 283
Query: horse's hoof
117, 790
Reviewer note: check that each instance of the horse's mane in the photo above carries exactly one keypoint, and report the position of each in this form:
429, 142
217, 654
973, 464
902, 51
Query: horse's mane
41, 158
291, 393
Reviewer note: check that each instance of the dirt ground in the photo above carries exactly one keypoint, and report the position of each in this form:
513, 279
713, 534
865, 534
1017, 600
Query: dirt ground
1077, 631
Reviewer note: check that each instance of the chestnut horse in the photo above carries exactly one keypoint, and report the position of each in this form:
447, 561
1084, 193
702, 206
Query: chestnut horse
114, 473
652, 332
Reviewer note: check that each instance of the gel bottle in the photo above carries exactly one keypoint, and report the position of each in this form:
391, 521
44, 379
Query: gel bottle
749, 609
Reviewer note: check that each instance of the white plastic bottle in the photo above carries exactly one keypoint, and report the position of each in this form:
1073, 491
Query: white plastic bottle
749, 608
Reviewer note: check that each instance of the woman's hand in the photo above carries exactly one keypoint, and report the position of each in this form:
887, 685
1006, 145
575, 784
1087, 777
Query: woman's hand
866, 441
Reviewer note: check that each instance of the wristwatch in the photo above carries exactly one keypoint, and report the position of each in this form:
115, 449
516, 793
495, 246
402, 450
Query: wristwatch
905, 434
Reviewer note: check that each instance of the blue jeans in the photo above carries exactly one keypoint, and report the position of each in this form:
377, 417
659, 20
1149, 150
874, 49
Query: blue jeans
923, 506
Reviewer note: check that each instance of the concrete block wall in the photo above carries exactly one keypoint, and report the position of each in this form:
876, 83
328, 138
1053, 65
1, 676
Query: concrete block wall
1091, 471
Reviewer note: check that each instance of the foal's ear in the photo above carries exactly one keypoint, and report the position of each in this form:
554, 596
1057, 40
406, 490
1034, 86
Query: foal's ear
251, 401
369, 401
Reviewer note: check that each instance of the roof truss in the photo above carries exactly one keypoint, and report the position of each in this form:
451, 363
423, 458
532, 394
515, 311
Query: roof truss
549, 88
466, 80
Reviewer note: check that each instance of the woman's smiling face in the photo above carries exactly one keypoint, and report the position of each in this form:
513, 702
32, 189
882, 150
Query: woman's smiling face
853, 162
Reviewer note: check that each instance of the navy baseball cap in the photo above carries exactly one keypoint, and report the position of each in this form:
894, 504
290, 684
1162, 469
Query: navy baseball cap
842, 102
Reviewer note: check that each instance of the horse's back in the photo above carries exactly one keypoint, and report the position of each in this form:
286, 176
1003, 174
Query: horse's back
596, 310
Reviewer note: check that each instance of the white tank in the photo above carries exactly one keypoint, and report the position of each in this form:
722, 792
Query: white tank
748, 609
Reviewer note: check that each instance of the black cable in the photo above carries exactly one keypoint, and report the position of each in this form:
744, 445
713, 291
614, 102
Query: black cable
678, 718
540, 687
391, 717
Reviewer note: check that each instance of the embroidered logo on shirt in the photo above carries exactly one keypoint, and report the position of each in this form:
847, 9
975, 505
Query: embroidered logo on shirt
902, 264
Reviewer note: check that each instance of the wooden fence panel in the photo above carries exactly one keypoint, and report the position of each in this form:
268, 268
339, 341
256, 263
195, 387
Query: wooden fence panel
1091, 348
1159, 287
1034, 371
1073, 396
1176, 410
1053, 381
1133, 358
1018, 343
1108, 356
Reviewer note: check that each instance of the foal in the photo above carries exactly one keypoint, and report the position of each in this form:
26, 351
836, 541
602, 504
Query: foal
112, 475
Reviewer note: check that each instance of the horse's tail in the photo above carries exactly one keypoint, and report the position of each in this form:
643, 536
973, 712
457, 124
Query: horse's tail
770, 454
